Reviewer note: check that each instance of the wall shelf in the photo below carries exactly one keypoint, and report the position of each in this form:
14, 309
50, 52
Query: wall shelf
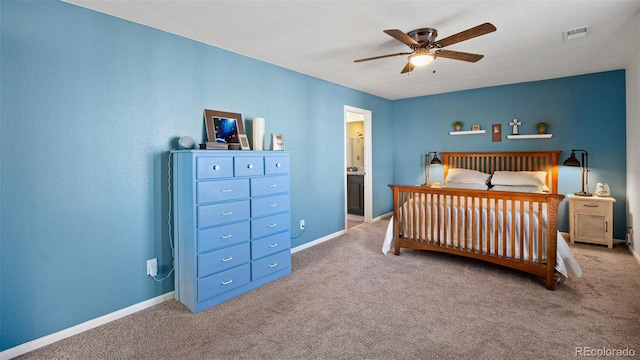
469, 132
532, 136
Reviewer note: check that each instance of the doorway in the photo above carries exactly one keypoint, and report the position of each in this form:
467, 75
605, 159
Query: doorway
357, 165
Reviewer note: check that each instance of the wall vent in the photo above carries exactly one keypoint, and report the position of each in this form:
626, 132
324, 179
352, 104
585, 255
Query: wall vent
575, 33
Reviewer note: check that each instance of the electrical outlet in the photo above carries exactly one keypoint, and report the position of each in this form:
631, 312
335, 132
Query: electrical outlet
302, 225
152, 267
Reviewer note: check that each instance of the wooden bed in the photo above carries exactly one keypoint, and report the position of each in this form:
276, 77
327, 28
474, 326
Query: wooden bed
472, 223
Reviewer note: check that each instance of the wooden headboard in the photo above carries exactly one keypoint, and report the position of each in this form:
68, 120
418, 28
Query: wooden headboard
488, 162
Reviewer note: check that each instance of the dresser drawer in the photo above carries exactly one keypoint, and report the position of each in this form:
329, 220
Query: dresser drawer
217, 214
221, 190
269, 225
224, 281
211, 167
276, 165
270, 245
269, 205
269, 185
221, 236
248, 166
223, 259
271, 264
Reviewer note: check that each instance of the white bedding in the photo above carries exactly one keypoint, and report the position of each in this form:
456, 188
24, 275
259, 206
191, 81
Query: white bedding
565, 262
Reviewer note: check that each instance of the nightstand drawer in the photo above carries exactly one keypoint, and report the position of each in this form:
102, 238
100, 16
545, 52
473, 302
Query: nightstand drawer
591, 206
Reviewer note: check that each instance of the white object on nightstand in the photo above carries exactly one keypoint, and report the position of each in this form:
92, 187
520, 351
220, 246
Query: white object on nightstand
591, 219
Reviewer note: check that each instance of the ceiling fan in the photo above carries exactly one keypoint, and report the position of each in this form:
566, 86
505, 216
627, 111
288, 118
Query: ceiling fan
425, 48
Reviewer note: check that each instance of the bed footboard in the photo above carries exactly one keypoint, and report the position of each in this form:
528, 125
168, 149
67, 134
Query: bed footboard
516, 230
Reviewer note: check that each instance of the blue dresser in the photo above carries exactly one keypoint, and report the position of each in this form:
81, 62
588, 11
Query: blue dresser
231, 223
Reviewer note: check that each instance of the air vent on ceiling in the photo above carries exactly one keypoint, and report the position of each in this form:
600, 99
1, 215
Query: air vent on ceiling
575, 33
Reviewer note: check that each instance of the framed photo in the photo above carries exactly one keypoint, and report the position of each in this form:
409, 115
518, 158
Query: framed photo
223, 127
244, 142
496, 132
475, 127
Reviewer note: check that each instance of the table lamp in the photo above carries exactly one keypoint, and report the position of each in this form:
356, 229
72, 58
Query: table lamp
573, 161
433, 162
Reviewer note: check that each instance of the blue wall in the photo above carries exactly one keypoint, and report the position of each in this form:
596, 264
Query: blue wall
583, 112
92, 104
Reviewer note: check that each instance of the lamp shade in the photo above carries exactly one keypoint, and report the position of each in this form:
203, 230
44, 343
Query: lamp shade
435, 160
572, 161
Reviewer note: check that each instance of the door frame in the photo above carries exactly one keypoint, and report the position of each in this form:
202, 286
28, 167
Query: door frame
368, 175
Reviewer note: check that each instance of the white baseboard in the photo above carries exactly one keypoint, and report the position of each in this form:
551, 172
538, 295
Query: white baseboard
317, 241
74, 330
635, 255
382, 217
87, 325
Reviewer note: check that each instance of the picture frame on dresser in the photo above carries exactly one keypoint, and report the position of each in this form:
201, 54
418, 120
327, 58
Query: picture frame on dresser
244, 142
223, 126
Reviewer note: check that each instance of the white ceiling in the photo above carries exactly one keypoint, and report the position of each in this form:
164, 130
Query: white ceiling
322, 38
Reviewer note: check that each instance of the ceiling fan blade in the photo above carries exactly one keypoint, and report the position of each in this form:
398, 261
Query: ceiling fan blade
457, 55
466, 35
381, 57
402, 37
407, 68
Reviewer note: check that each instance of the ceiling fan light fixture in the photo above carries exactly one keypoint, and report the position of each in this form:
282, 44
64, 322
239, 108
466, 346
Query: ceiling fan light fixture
421, 58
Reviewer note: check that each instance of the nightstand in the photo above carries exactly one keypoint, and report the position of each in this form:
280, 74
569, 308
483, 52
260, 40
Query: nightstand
591, 219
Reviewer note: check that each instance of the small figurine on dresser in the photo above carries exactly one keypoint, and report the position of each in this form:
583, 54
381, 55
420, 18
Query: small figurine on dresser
602, 189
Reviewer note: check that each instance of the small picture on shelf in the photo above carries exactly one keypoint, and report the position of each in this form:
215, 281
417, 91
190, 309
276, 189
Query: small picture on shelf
475, 127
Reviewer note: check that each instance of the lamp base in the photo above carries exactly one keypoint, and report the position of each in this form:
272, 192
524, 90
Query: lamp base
582, 194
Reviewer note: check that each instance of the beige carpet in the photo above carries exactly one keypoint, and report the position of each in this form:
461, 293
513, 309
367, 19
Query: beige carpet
346, 300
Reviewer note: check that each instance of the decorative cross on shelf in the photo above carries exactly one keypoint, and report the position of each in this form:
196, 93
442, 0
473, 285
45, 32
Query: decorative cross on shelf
515, 123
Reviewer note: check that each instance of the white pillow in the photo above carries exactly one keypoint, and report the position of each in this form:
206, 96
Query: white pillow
467, 176
519, 178
459, 185
527, 189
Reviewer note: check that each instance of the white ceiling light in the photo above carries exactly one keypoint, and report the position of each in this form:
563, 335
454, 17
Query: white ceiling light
421, 58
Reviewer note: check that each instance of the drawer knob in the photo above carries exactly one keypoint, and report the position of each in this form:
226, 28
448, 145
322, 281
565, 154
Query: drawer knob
250, 166
272, 185
227, 282
590, 205
226, 213
273, 245
227, 259
272, 265
225, 190
278, 164
216, 167
273, 205
225, 236
272, 225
